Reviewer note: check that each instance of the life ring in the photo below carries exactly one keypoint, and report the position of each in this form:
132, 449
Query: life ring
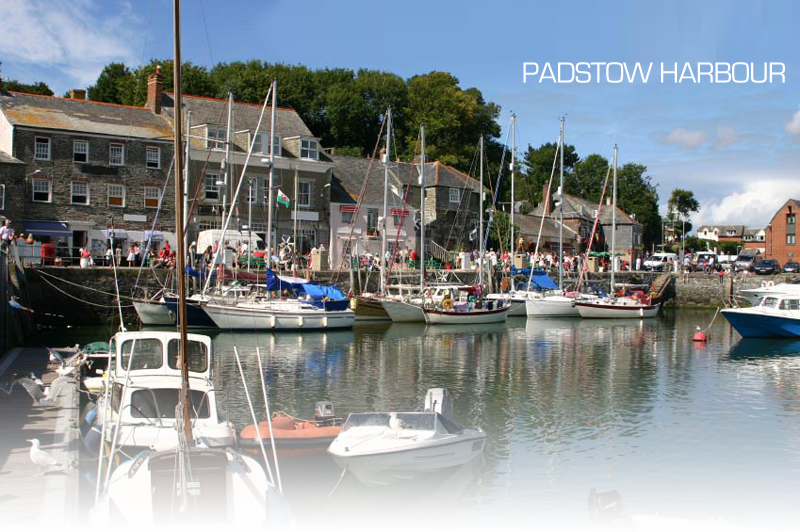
447, 304
770, 283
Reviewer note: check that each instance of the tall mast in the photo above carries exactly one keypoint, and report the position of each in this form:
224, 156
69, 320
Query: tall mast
270, 198
181, 254
384, 268
226, 175
480, 223
513, 160
614, 221
186, 183
422, 209
561, 213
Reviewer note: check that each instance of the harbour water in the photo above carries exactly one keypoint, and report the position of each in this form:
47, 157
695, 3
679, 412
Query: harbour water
706, 432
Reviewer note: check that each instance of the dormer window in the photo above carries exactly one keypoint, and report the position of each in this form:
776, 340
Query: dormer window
217, 136
309, 149
260, 145
731, 232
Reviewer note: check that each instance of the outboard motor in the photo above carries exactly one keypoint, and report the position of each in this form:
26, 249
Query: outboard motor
323, 412
607, 509
439, 400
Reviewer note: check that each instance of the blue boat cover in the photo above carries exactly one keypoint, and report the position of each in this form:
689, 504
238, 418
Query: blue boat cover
321, 292
542, 281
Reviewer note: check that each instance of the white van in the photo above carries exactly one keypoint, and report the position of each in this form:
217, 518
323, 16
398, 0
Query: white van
659, 262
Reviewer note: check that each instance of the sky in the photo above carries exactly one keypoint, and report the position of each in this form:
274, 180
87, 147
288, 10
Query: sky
736, 146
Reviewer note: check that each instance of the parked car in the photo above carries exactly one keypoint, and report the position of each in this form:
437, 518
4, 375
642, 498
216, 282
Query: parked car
746, 260
726, 264
791, 267
659, 262
767, 267
703, 261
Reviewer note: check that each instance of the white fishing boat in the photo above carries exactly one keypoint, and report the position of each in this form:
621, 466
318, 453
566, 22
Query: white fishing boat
769, 288
381, 448
620, 307
145, 385
277, 314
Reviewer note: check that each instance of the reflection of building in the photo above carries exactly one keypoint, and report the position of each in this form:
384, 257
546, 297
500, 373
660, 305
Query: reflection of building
86, 164
781, 233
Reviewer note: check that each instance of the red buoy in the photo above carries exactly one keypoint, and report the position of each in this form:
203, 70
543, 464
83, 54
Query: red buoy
699, 336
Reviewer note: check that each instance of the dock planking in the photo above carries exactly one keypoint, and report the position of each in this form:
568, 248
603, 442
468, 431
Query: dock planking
25, 496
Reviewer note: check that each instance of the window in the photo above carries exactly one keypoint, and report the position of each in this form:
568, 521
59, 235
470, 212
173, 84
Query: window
347, 217
304, 194
790, 239
80, 193
153, 157
42, 189
42, 149
151, 196
790, 219
730, 232
2, 197
116, 154
309, 149
260, 145
455, 195
211, 188
116, 195
80, 151
790, 304
372, 221
252, 190
217, 136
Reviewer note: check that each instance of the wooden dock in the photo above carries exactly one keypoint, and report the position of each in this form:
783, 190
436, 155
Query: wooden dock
26, 497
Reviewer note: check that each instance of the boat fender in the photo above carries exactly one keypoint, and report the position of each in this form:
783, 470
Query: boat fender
447, 304
699, 335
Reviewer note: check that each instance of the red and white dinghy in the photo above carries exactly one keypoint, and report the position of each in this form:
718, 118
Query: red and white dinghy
294, 435
636, 305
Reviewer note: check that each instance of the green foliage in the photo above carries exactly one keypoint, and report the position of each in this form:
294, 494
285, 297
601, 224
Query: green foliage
682, 202
537, 168
727, 247
695, 244
32, 88
501, 223
113, 84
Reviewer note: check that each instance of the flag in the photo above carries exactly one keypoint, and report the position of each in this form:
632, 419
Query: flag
283, 199
395, 191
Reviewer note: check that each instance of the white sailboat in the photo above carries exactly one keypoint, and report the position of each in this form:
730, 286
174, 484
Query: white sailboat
187, 483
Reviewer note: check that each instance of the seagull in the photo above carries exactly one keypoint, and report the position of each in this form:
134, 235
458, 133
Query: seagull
40, 457
36, 379
68, 365
46, 396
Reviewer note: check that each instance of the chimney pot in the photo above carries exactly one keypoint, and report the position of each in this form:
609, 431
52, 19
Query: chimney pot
77, 94
155, 87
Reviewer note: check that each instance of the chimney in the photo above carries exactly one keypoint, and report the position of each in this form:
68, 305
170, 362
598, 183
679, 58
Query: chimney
383, 154
77, 94
155, 86
548, 202
608, 200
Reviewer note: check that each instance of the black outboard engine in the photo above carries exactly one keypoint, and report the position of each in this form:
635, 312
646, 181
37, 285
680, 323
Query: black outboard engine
607, 509
324, 414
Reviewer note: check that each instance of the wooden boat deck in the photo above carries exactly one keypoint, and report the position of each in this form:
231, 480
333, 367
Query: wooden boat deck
26, 497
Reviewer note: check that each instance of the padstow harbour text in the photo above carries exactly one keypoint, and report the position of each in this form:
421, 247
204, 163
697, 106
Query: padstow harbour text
615, 72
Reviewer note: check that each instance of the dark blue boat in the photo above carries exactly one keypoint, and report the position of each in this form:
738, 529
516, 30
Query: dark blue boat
195, 315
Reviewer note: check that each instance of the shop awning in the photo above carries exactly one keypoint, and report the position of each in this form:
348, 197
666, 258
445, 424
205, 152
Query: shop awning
155, 236
45, 228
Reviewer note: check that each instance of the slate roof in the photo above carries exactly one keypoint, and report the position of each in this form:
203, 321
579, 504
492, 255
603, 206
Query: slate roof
8, 159
752, 231
83, 116
529, 227
575, 207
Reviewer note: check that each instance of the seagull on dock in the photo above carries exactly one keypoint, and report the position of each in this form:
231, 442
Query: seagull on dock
69, 365
44, 396
41, 458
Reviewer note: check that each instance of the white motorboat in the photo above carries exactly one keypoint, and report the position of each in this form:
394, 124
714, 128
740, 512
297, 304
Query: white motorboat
381, 448
277, 314
145, 385
769, 288
514, 300
153, 312
620, 307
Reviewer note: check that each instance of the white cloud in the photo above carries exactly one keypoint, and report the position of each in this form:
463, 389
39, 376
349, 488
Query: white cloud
686, 138
752, 205
793, 126
726, 136
73, 36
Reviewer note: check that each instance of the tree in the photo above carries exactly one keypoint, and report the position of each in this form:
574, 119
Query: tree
537, 167
113, 85
681, 203
502, 224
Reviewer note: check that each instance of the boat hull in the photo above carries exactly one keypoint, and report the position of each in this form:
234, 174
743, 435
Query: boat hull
305, 436
402, 312
256, 319
381, 469
153, 313
196, 315
473, 317
759, 325
611, 311
551, 307
369, 309
516, 303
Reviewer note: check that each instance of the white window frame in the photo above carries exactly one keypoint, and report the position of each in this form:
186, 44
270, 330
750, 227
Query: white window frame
457, 198
111, 158
310, 148
347, 217
111, 187
72, 193
301, 194
36, 142
80, 147
151, 193
790, 219
791, 240
149, 162
213, 188
49, 190
252, 190
216, 137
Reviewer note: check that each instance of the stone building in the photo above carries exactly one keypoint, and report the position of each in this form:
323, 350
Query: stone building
302, 169
12, 185
88, 167
781, 234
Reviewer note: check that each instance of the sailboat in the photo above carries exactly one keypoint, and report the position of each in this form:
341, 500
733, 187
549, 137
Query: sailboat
188, 483
638, 304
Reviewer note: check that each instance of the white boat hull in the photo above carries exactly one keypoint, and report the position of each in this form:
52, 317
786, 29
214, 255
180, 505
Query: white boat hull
380, 469
516, 303
274, 317
551, 307
153, 313
402, 312
611, 310
474, 317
